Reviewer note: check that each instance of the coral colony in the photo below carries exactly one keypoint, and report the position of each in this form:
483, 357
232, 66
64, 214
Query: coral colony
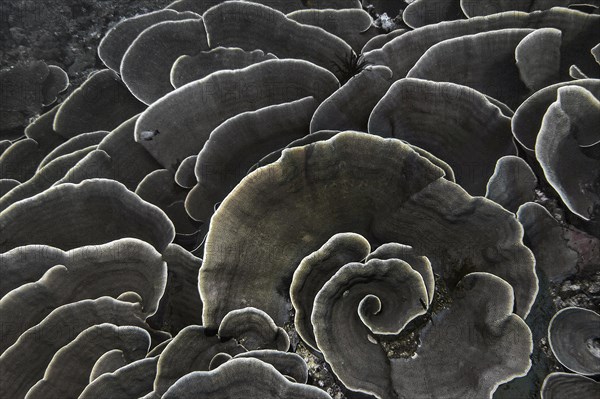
307, 199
